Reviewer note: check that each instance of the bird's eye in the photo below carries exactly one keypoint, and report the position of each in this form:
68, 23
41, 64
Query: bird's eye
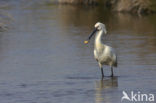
98, 27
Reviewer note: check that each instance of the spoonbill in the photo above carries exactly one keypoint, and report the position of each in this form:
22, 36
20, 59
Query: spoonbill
104, 54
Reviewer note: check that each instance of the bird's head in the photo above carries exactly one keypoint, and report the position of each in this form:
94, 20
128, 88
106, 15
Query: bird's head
98, 27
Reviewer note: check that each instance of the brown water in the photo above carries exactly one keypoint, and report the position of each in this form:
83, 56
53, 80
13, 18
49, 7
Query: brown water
43, 58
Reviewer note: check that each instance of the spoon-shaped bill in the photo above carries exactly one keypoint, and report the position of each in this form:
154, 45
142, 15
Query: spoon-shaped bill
90, 36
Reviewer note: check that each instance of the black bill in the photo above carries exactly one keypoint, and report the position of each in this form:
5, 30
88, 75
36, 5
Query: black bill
90, 36
94, 31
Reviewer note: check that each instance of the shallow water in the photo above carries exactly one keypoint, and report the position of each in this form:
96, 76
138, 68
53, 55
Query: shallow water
43, 58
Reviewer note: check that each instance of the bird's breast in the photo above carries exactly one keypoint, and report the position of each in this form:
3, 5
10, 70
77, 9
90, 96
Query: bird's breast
98, 52
98, 45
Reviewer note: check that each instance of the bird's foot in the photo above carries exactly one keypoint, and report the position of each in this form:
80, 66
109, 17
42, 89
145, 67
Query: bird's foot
112, 75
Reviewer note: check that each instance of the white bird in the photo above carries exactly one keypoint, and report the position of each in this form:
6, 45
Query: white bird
104, 54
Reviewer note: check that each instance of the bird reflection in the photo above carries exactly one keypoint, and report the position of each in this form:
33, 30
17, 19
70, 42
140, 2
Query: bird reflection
102, 87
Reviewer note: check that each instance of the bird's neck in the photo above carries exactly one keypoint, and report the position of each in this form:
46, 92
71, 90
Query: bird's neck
98, 40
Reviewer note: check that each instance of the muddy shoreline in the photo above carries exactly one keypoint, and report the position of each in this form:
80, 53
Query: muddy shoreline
129, 6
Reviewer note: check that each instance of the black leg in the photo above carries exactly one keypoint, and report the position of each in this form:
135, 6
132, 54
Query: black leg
112, 72
102, 73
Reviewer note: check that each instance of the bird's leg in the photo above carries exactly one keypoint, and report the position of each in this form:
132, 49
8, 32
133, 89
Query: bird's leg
112, 71
100, 65
102, 73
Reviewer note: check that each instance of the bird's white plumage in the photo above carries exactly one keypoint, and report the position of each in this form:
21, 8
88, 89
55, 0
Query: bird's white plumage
104, 54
